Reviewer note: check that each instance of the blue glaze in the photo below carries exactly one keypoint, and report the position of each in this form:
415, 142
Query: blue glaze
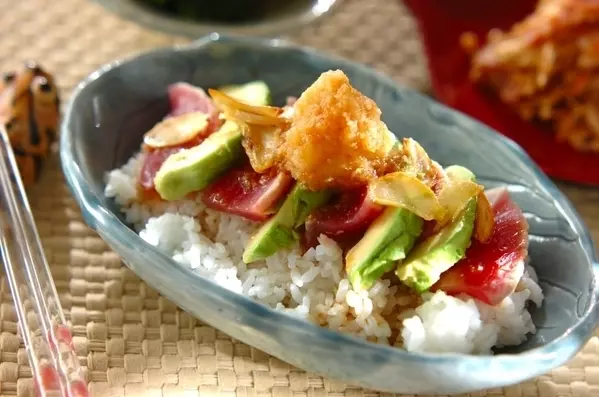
112, 108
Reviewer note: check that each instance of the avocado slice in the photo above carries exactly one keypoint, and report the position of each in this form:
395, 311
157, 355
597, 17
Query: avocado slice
437, 253
280, 231
193, 169
459, 173
388, 239
255, 92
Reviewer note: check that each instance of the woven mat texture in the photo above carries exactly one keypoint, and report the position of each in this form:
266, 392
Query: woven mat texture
132, 341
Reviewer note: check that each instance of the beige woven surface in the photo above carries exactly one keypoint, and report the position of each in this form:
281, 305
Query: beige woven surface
132, 341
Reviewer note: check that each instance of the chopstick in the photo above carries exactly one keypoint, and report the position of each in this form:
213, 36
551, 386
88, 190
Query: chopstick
42, 325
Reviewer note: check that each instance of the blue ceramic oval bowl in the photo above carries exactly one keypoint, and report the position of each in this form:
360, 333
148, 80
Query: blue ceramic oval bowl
114, 106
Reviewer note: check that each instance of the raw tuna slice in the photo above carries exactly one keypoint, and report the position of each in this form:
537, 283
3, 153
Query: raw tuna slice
185, 98
247, 193
349, 215
154, 158
490, 272
151, 164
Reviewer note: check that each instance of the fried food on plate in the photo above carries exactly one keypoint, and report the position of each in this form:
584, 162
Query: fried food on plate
337, 135
546, 68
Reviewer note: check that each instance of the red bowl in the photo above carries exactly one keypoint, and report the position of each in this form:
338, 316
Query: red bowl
440, 23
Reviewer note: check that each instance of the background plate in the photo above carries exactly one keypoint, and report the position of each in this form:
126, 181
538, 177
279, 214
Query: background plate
441, 22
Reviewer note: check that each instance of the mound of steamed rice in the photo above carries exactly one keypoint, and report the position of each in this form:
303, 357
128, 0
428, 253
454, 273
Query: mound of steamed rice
314, 286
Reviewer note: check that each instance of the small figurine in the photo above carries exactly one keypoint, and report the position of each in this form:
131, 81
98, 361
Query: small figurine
29, 109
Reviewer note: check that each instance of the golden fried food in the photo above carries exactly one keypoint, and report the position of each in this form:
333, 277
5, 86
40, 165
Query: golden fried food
546, 68
331, 137
337, 138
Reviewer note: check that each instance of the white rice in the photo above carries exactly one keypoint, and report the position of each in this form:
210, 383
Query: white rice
314, 286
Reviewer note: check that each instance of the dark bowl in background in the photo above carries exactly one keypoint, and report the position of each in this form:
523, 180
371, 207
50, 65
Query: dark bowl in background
223, 16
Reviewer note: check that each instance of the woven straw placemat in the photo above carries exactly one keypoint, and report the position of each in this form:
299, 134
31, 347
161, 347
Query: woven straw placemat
132, 341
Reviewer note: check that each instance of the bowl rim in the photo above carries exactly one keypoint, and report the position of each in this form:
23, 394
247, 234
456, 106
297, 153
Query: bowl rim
551, 355
154, 20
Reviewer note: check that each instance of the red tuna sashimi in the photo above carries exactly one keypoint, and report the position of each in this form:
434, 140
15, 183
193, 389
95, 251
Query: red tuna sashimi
151, 164
350, 214
185, 98
491, 271
154, 158
247, 193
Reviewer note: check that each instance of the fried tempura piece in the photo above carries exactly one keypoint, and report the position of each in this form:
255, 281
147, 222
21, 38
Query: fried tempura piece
337, 138
332, 137
546, 68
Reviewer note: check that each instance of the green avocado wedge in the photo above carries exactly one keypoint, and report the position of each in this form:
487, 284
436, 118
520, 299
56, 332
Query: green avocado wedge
255, 92
440, 251
193, 169
388, 240
279, 232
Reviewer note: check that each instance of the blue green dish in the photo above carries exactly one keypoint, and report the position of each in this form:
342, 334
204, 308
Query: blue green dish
113, 107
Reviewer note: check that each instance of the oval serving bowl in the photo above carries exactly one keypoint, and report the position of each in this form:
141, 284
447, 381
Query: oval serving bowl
113, 107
